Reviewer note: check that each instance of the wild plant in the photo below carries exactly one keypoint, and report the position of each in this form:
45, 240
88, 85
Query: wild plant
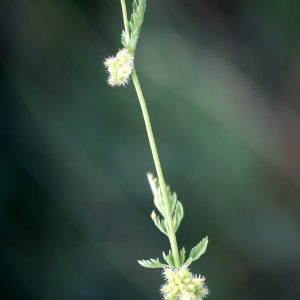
180, 283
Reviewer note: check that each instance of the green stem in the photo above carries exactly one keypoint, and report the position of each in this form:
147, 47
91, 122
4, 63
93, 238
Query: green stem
124, 10
171, 231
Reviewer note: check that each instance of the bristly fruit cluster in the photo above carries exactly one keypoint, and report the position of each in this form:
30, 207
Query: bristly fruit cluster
119, 68
183, 285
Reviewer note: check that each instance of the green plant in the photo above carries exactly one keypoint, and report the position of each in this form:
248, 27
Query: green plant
180, 283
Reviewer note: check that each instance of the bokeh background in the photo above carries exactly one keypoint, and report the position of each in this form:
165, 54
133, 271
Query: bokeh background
222, 83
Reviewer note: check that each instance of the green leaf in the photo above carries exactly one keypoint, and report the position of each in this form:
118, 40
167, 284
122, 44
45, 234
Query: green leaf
152, 263
197, 251
159, 202
172, 199
175, 205
169, 259
158, 199
160, 224
182, 256
124, 39
178, 215
136, 21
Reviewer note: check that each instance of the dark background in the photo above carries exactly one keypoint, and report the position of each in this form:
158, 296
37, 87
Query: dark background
221, 80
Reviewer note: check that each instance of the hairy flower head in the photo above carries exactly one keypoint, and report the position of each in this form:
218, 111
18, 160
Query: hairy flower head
119, 68
182, 285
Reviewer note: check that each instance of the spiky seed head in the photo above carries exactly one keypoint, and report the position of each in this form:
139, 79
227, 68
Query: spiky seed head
124, 57
187, 280
169, 274
167, 288
191, 287
182, 285
119, 68
110, 62
187, 296
184, 272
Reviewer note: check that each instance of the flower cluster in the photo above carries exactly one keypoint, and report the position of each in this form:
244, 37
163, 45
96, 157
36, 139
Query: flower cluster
119, 68
182, 285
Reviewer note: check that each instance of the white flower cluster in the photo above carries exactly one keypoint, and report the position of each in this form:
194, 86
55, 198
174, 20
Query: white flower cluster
182, 285
119, 68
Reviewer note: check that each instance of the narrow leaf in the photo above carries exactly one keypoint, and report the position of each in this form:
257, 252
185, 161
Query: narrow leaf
154, 185
188, 262
124, 39
182, 256
152, 263
178, 215
160, 224
169, 258
172, 200
136, 20
197, 251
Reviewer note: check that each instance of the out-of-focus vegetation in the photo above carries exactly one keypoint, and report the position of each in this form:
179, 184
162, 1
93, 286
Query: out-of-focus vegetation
221, 79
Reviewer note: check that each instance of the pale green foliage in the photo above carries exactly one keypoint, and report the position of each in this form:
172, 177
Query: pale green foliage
195, 254
152, 263
169, 258
162, 224
197, 251
182, 256
135, 24
175, 205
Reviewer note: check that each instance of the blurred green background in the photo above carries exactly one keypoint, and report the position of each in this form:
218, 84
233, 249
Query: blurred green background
222, 83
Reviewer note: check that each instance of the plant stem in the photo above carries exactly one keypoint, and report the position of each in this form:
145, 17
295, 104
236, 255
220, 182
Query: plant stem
162, 184
124, 10
171, 229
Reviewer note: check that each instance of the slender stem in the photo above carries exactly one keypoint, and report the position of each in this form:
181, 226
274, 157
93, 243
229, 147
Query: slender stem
172, 236
124, 10
171, 231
